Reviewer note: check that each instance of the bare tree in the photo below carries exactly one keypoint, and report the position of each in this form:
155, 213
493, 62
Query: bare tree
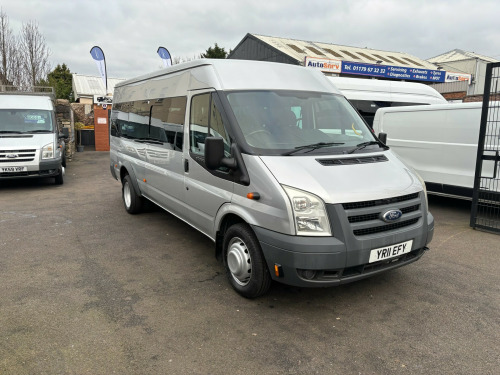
9, 74
179, 60
34, 53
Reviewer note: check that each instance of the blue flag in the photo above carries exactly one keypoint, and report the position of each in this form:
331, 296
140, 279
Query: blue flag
165, 56
98, 56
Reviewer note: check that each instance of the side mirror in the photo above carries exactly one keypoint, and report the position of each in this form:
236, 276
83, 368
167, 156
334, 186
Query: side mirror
383, 138
64, 133
214, 154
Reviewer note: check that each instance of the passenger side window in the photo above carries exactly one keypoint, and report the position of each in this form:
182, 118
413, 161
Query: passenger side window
167, 119
204, 116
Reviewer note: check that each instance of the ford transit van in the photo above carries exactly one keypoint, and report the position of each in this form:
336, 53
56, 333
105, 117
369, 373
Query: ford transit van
368, 95
439, 142
30, 143
275, 166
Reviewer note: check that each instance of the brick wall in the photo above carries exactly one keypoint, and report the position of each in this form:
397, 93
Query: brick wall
101, 128
455, 95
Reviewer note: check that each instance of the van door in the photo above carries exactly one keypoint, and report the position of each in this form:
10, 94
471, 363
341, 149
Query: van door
165, 171
206, 191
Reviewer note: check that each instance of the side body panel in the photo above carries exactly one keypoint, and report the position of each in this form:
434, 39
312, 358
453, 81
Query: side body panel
440, 142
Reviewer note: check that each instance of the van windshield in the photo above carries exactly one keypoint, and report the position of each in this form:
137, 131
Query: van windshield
277, 122
25, 121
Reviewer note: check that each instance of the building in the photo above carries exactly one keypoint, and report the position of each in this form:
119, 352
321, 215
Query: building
85, 88
334, 59
469, 80
94, 102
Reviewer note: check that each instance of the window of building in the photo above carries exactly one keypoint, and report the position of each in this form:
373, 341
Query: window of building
331, 51
316, 51
352, 55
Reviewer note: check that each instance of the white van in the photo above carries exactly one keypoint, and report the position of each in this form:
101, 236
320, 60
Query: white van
274, 165
30, 143
368, 95
438, 141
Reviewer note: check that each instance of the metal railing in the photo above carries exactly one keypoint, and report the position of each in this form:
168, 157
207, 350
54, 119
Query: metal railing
30, 90
485, 212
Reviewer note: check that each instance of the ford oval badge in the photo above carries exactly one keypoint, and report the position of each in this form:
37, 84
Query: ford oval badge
391, 216
11, 156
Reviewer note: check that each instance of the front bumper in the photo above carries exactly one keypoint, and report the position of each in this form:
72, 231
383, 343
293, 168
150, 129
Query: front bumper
329, 261
46, 168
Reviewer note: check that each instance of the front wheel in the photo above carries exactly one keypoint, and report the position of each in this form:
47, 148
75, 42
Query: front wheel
246, 268
131, 200
59, 179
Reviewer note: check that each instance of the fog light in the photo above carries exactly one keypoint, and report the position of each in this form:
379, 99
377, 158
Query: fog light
307, 274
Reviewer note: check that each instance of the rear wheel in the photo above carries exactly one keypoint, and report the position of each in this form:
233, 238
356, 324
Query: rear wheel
246, 268
131, 200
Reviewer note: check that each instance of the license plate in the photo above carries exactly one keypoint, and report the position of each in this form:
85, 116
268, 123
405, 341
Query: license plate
390, 251
12, 169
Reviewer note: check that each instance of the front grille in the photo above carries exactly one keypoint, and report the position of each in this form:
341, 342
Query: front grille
385, 228
378, 266
379, 202
376, 215
42, 173
351, 161
23, 156
366, 218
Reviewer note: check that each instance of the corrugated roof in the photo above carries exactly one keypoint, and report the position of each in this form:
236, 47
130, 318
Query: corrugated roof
88, 86
300, 49
459, 55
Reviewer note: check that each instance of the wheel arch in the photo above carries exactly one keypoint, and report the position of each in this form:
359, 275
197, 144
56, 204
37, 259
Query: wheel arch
225, 223
127, 170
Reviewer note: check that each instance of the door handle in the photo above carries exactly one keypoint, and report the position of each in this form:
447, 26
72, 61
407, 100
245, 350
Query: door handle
186, 165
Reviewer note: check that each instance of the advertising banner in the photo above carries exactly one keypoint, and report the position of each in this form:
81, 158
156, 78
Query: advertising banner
98, 56
454, 77
165, 56
325, 65
394, 72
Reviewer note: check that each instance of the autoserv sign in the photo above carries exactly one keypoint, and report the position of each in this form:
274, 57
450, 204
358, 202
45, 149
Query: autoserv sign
385, 71
458, 77
325, 65
394, 72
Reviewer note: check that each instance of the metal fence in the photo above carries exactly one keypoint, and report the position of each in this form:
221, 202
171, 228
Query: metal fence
485, 213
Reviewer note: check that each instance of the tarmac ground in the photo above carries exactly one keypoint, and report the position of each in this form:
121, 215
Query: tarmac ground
88, 289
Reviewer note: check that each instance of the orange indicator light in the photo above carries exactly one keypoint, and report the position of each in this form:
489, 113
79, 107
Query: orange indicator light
255, 196
278, 270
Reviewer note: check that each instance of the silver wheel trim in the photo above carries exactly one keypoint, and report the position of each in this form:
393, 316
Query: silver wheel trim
126, 194
239, 261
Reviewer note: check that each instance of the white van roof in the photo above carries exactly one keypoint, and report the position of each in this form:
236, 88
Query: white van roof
232, 74
382, 90
15, 101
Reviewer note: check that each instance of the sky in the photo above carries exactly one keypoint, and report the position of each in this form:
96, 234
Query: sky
130, 31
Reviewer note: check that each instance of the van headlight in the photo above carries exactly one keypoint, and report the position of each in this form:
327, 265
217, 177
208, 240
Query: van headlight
48, 151
425, 188
309, 213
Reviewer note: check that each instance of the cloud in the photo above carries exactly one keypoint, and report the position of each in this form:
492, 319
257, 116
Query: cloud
130, 31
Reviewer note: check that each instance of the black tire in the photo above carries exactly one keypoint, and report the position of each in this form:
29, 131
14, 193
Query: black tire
131, 200
245, 266
59, 179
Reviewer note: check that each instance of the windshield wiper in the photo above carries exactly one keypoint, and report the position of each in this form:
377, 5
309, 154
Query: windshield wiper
11, 131
365, 144
40, 131
312, 147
